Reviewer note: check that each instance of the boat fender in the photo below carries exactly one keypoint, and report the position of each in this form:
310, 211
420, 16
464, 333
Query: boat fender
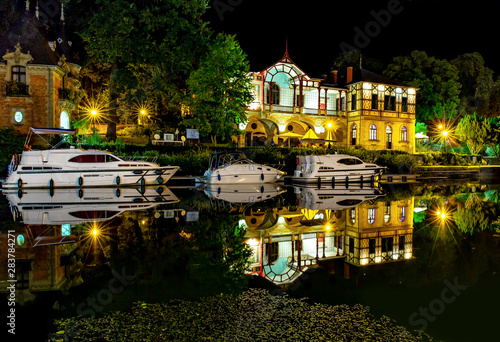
51, 184
333, 181
143, 182
347, 179
261, 189
261, 176
19, 183
118, 192
319, 180
19, 194
218, 177
117, 180
159, 190
159, 180
51, 192
80, 193
361, 180
158, 172
80, 181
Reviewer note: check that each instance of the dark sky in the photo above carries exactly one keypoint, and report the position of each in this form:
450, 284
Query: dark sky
316, 29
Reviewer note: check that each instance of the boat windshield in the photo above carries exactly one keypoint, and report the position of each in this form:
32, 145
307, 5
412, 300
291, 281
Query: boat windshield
350, 161
225, 159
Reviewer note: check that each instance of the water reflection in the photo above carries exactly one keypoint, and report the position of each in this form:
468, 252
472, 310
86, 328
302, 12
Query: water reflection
191, 247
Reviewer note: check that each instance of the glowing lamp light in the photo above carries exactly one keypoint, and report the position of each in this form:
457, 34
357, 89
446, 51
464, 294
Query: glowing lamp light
282, 128
93, 112
445, 133
329, 125
443, 215
242, 125
95, 232
440, 127
328, 227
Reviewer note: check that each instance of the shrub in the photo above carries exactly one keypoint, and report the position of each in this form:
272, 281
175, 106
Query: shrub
10, 143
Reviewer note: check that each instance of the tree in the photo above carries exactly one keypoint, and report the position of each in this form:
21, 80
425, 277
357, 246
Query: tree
475, 132
355, 59
219, 90
437, 80
476, 80
149, 47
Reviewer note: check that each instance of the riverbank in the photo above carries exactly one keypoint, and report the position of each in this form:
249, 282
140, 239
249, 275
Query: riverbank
255, 315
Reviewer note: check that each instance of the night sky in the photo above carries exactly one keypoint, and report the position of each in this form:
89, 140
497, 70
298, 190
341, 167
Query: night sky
316, 29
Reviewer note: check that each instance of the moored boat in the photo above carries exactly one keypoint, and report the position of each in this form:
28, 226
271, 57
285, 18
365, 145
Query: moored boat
75, 167
335, 168
235, 167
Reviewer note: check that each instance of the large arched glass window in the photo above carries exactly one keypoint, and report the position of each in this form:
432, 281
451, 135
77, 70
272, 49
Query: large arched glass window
273, 94
64, 120
403, 134
371, 215
373, 132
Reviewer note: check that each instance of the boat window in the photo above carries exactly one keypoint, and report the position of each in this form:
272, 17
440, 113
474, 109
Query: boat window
89, 158
349, 202
350, 161
111, 158
94, 214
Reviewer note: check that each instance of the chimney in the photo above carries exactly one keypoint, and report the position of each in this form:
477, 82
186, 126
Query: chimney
333, 76
324, 77
349, 75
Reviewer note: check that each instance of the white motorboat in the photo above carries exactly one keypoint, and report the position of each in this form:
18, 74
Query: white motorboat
77, 205
235, 167
336, 198
74, 167
335, 168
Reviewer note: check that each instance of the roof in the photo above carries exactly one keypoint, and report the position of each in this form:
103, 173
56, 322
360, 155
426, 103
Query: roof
33, 36
363, 75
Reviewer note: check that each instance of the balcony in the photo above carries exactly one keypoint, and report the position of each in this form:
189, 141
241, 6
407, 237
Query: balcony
15, 88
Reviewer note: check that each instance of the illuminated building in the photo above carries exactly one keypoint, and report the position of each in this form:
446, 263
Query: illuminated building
39, 80
370, 111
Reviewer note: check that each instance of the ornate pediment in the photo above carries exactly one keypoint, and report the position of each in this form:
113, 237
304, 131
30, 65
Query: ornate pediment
17, 57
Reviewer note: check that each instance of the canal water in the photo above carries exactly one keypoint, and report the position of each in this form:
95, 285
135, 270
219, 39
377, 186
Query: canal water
427, 256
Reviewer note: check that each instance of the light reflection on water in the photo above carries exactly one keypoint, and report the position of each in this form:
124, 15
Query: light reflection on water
186, 243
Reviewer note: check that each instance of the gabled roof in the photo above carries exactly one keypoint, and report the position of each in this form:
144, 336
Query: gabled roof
363, 75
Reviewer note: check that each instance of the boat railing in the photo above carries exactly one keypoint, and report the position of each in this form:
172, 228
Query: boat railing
151, 159
14, 162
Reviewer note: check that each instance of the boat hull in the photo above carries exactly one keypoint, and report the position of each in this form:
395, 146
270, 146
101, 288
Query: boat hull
243, 174
340, 176
88, 178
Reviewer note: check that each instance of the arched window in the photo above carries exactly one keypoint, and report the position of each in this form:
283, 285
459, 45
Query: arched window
387, 214
354, 134
273, 95
403, 134
371, 215
353, 216
373, 132
64, 120
388, 132
402, 213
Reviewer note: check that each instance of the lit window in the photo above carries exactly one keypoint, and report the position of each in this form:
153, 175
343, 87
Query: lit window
371, 215
19, 73
64, 120
403, 134
373, 132
354, 135
353, 215
273, 95
402, 214
18, 117
387, 214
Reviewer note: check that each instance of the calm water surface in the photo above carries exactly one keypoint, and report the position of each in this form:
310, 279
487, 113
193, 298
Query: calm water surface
427, 256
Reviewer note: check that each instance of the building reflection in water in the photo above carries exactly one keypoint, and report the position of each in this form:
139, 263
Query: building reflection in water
46, 247
354, 224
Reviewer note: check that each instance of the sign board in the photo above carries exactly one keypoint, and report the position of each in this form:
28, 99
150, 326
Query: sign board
192, 134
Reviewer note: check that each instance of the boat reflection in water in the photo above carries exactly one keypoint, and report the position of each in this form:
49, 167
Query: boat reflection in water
243, 193
74, 206
49, 241
353, 224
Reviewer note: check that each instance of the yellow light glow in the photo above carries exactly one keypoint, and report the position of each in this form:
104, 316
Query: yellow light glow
93, 112
95, 232
440, 126
328, 227
329, 125
443, 215
445, 133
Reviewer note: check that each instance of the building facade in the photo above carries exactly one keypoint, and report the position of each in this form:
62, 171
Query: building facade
39, 82
369, 111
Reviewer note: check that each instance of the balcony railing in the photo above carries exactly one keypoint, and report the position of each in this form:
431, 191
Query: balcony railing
14, 88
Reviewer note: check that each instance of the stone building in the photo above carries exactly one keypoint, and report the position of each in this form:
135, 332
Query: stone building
369, 111
39, 81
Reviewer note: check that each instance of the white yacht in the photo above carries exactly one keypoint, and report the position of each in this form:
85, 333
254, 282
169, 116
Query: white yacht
242, 193
335, 168
74, 167
235, 167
